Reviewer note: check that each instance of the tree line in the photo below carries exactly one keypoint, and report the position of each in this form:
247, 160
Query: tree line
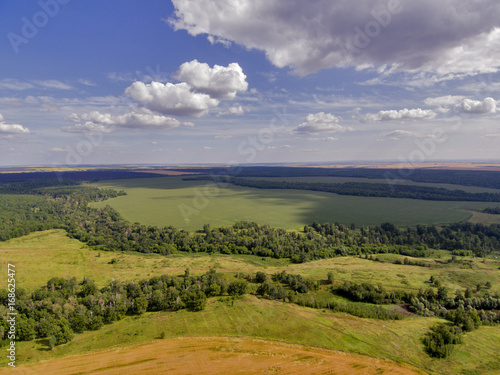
64, 307
364, 189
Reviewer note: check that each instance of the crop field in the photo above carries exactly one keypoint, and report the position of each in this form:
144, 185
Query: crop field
167, 201
219, 355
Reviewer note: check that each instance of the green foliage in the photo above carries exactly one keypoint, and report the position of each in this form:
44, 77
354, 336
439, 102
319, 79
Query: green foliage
237, 288
440, 339
492, 211
330, 277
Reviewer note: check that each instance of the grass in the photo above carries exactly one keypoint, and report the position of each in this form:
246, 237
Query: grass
167, 201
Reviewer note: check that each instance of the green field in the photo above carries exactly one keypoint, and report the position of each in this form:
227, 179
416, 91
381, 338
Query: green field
167, 201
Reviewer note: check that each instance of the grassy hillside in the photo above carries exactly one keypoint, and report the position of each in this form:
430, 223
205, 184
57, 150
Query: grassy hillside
42, 255
191, 204
253, 317
58, 255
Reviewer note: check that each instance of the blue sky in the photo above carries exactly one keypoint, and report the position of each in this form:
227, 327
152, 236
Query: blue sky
206, 81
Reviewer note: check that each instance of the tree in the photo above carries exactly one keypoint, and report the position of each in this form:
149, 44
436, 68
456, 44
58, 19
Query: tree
237, 288
140, 305
440, 339
195, 300
260, 277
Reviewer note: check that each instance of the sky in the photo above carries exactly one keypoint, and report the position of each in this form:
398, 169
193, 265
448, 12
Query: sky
238, 82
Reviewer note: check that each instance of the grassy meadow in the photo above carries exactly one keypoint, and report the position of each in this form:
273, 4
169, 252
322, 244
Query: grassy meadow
167, 201
58, 255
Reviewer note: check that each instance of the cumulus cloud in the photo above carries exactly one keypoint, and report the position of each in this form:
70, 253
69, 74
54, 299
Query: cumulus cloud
10, 129
219, 82
319, 123
104, 122
443, 37
403, 114
235, 111
173, 99
396, 135
477, 107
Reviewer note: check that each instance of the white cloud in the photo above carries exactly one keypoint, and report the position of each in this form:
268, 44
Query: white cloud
103, 122
86, 82
174, 99
396, 135
477, 107
10, 129
444, 100
320, 123
87, 127
446, 37
53, 84
219, 82
226, 43
14, 84
224, 136
403, 114
235, 111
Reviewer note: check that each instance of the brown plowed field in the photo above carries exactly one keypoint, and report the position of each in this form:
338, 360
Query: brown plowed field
215, 355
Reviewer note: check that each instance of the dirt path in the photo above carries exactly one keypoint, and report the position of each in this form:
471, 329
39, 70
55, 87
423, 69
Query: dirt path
215, 355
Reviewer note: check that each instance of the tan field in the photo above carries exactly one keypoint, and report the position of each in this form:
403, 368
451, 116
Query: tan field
215, 355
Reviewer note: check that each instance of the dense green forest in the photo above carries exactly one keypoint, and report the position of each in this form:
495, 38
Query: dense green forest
366, 189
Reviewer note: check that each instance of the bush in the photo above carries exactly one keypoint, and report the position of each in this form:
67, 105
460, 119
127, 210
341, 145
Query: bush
440, 339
